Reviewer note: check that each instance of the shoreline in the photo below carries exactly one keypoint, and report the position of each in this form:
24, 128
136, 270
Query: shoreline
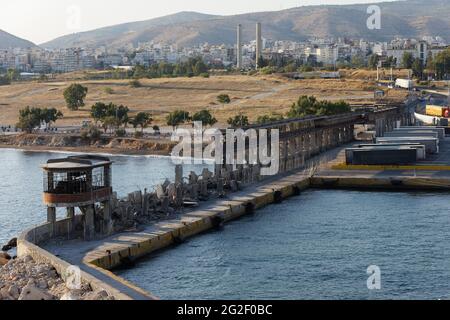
88, 150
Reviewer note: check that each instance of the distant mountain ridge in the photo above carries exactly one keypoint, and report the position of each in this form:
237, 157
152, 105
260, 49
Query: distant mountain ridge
8, 40
409, 18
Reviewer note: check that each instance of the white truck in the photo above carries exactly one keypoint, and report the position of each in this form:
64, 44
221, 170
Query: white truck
404, 83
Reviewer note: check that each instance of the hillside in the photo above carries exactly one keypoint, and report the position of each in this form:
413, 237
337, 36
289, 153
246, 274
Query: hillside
411, 18
7, 40
123, 33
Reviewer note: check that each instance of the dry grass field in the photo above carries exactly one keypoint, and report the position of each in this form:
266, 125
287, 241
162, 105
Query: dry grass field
251, 95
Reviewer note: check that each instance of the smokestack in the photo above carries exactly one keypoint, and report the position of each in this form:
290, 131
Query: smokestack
258, 44
239, 47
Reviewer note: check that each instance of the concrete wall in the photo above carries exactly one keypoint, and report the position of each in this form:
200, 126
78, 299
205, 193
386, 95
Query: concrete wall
27, 245
172, 232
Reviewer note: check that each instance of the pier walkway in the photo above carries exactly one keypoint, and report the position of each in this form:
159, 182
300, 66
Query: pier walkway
433, 173
99, 256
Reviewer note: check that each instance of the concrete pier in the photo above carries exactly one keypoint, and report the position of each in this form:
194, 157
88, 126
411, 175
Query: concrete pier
306, 145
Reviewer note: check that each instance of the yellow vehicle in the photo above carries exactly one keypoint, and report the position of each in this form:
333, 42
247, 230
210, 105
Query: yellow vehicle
437, 111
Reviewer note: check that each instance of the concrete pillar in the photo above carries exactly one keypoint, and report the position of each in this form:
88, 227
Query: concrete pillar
179, 174
71, 216
312, 144
89, 224
217, 170
179, 196
107, 223
325, 143
351, 134
308, 148
333, 137
51, 219
165, 203
51, 215
283, 156
204, 188
298, 152
194, 192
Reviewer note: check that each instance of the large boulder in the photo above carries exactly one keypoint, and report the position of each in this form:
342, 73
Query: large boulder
11, 244
4, 258
31, 292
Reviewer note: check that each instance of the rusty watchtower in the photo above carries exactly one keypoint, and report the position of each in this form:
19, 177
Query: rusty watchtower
79, 182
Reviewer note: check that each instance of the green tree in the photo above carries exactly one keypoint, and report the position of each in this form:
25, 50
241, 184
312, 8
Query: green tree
268, 118
205, 117
29, 119
442, 64
13, 75
418, 68
75, 95
177, 117
306, 105
310, 106
357, 61
373, 61
142, 119
200, 67
139, 72
4, 80
32, 118
103, 113
238, 121
98, 111
48, 116
407, 60
111, 123
224, 99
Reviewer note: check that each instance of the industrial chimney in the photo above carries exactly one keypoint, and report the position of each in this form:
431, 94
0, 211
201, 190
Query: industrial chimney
239, 47
258, 45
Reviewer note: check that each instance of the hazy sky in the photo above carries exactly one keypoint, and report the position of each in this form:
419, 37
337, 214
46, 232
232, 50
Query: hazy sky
43, 20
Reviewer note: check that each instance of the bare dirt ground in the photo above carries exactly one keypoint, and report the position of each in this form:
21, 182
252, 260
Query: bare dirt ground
251, 95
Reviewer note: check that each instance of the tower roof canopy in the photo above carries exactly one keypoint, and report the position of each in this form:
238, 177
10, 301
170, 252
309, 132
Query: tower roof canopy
85, 162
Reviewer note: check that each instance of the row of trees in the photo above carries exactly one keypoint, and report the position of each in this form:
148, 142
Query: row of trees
310, 106
440, 64
305, 106
32, 118
179, 117
115, 117
191, 67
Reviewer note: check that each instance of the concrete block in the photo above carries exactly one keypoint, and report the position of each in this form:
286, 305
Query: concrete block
439, 131
390, 156
422, 133
431, 144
